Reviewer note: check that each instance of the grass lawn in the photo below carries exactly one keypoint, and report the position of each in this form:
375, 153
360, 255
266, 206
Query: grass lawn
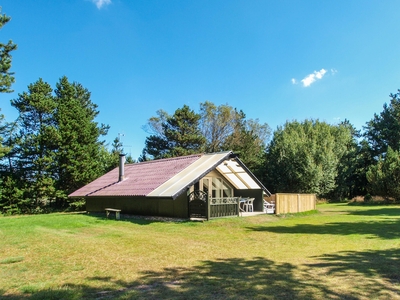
341, 252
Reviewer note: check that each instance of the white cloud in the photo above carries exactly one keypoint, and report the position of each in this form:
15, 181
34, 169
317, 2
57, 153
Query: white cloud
101, 3
311, 78
294, 81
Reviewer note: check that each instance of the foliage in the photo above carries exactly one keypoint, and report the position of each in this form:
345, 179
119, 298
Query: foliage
12, 199
226, 128
351, 179
249, 141
6, 76
384, 177
55, 147
218, 123
176, 135
305, 157
383, 130
79, 147
34, 154
214, 129
110, 160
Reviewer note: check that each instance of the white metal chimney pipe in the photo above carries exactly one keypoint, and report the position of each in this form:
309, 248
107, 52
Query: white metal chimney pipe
121, 167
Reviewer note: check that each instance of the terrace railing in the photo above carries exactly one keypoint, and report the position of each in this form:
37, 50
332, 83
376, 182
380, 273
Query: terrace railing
223, 207
202, 206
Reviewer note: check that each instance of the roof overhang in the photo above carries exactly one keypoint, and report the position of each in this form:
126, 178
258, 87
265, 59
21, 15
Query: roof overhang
226, 163
236, 172
187, 177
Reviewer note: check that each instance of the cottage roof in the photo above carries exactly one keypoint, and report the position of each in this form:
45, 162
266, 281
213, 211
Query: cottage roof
170, 177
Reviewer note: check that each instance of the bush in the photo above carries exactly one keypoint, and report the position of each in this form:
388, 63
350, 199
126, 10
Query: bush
368, 198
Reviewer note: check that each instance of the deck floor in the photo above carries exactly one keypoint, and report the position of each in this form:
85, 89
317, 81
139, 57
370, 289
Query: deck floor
250, 214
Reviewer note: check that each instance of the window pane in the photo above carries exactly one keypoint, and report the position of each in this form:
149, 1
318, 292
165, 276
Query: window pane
206, 185
227, 191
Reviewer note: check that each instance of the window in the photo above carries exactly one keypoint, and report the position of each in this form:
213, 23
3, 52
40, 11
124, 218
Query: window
218, 188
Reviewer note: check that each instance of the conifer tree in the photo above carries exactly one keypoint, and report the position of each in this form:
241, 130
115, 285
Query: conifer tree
6, 76
179, 135
34, 154
79, 146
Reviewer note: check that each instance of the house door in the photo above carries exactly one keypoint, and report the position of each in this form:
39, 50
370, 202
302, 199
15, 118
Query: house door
198, 204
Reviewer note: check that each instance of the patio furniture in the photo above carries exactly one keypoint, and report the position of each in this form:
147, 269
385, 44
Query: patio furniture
116, 211
248, 205
269, 208
242, 201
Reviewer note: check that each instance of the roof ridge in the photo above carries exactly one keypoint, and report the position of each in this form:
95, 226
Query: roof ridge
166, 159
178, 157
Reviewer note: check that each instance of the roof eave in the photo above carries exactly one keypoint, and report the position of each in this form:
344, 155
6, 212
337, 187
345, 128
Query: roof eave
189, 184
252, 176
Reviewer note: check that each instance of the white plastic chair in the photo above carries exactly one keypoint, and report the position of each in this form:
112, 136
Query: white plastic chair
248, 205
269, 208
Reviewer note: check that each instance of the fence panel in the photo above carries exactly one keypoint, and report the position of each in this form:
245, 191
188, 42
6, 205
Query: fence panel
294, 203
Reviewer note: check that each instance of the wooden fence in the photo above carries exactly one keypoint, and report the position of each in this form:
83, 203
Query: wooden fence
293, 203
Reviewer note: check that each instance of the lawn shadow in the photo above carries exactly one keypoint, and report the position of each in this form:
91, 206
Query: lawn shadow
386, 211
137, 219
371, 264
384, 229
256, 278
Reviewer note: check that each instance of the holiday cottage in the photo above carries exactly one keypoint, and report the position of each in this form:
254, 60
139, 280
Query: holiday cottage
201, 186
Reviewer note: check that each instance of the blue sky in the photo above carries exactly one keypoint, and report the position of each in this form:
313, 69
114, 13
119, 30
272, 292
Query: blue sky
275, 60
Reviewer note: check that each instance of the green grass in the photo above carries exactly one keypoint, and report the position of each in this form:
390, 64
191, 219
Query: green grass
341, 252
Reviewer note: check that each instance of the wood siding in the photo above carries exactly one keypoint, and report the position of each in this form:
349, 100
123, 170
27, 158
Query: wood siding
165, 207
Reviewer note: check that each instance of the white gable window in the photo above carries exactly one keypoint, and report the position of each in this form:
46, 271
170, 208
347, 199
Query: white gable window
216, 187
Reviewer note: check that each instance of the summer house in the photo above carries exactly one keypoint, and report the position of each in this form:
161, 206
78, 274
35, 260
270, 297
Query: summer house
194, 186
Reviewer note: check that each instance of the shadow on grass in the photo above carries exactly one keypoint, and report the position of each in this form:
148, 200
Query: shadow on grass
137, 219
257, 278
382, 264
384, 229
386, 211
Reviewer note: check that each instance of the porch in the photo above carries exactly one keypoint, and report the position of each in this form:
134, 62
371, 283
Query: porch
202, 206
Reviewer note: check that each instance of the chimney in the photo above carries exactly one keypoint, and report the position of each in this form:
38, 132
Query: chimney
121, 167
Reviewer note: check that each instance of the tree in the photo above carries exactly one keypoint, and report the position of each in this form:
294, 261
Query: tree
304, 157
6, 77
384, 177
226, 128
383, 130
78, 144
110, 159
217, 124
248, 140
34, 154
178, 135
351, 179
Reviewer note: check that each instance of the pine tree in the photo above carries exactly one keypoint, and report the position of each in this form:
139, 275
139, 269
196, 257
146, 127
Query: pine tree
6, 77
179, 135
34, 154
79, 147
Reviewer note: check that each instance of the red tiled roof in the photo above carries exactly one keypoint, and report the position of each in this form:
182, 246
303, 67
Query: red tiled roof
140, 179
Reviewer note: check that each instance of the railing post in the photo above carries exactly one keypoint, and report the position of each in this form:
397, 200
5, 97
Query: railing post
208, 208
